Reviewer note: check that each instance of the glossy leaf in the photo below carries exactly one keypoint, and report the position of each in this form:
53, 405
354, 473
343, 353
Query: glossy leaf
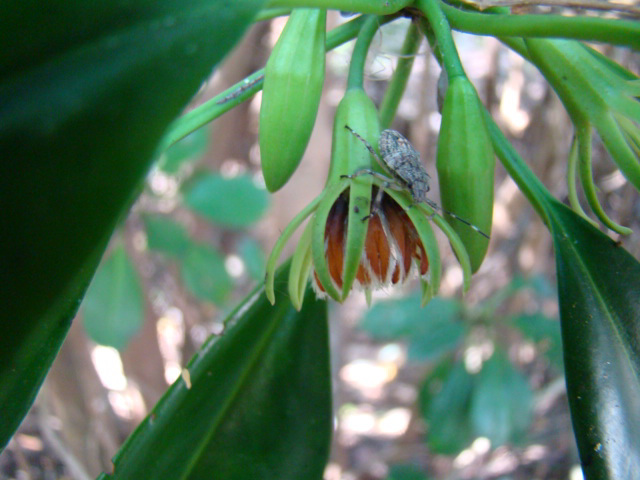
114, 305
259, 406
502, 401
166, 236
599, 293
189, 149
86, 96
230, 202
205, 275
445, 401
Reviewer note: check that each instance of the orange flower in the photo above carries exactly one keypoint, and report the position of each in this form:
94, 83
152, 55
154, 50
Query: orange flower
392, 246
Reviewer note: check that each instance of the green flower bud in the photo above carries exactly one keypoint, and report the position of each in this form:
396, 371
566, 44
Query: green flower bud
291, 94
465, 164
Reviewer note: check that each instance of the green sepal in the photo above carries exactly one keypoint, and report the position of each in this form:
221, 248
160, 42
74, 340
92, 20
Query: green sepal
359, 207
300, 268
583, 135
318, 252
291, 94
593, 91
274, 256
348, 154
429, 242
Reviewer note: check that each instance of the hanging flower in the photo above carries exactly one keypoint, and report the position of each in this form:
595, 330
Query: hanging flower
354, 241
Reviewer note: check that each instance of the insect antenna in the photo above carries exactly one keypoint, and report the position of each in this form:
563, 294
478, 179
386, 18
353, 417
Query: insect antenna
435, 206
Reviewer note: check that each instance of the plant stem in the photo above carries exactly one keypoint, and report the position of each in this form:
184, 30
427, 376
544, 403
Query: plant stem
529, 184
444, 40
377, 7
398, 82
269, 13
359, 55
246, 88
617, 32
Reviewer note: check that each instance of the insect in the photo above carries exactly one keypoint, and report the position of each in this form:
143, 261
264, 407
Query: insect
402, 162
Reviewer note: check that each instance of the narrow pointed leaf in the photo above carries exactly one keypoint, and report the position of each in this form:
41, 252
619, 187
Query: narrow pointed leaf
259, 405
86, 97
599, 294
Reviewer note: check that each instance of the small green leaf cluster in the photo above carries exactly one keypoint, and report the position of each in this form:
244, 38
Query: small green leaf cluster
470, 391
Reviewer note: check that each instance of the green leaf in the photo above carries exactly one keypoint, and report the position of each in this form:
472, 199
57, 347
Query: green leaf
445, 402
437, 336
502, 401
406, 472
259, 406
230, 202
544, 331
166, 235
254, 258
404, 317
113, 306
85, 99
205, 275
599, 294
190, 148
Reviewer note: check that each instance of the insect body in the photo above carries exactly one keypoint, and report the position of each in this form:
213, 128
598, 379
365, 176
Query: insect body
402, 161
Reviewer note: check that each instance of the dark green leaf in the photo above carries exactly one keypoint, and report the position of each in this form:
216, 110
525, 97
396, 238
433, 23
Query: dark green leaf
113, 306
259, 406
254, 258
502, 401
189, 149
406, 472
166, 235
403, 317
599, 293
230, 202
445, 401
544, 331
205, 275
87, 90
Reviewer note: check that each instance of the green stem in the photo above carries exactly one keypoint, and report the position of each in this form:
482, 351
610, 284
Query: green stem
529, 184
399, 79
377, 7
617, 32
359, 56
444, 40
246, 88
269, 13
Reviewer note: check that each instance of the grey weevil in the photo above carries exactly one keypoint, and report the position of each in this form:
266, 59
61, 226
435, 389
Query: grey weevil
400, 160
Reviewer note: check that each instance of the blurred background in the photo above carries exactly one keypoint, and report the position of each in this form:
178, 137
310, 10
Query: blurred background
464, 389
